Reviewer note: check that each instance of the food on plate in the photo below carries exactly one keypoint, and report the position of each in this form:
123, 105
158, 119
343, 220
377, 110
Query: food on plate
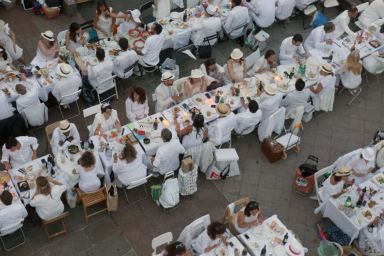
372, 204
283, 87
29, 168
73, 149
183, 25
209, 113
113, 134
176, 110
139, 43
379, 179
198, 99
6, 91
367, 214
113, 52
311, 75
374, 43
163, 21
134, 33
275, 227
4, 177
222, 252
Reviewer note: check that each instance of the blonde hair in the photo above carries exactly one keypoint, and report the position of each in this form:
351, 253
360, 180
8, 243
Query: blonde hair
353, 63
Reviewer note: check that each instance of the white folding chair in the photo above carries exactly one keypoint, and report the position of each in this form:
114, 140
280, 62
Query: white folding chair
330, 3
25, 8
261, 40
106, 85
61, 37
192, 231
129, 71
11, 230
135, 184
325, 102
69, 99
35, 115
273, 123
90, 112
161, 240
251, 59
242, 27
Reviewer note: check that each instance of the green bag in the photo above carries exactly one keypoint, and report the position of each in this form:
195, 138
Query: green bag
155, 192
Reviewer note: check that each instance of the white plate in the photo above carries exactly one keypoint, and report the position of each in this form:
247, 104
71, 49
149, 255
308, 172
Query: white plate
374, 179
175, 15
224, 13
93, 61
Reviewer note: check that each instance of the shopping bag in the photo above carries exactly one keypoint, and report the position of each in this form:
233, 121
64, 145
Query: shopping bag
155, 192
71, 198
112, 197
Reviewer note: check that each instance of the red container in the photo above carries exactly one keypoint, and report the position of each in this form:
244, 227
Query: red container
303, 184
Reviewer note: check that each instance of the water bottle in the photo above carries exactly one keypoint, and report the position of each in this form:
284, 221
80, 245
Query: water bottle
263, 251
155, 124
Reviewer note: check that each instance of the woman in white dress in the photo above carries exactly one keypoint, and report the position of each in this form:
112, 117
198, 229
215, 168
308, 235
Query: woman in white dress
196, 83
248, 217
362, 165
106, 120
236, 66
213, 237
47, 49
194, 134
214, 70
136, 105
88, 182
350, 72
128, 166
104, 20
5, 59
8, 41
73, 37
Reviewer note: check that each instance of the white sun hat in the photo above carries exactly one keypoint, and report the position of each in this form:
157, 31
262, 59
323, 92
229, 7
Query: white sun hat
211, 10
136, 15
64, 126
49, 35
236, 54
196, 73
368, 154
64, 70
270, 89
167, 75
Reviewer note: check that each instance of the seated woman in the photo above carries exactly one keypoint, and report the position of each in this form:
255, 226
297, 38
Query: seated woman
374, 63
265, 63
362, 165
47, 200
371, 238
47, 49
176, 249
194, 134
5, 60
128, 166
214, 70
106, 120
73, 37
86, 168
350, 72
104, 20
136, 105
131, 21
196, 83
211, 238
248, 217
236, 66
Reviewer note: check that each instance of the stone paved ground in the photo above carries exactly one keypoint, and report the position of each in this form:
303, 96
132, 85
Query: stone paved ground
130, 230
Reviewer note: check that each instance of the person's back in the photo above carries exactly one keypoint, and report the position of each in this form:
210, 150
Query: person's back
237, 16
128, 172
167, 156
295, 99
221, 130
193, 139
49, 206
101, 71
88, 182
6, 109
269, 104
30, 98
123, 61
372, 13
284, 9
12, 214
66, 86
246, 120
263, 12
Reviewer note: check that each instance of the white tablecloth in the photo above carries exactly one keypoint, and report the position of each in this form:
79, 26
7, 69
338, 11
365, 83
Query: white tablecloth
233, 244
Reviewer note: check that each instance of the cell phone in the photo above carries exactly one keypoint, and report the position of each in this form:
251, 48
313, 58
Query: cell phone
246, 236
231, 244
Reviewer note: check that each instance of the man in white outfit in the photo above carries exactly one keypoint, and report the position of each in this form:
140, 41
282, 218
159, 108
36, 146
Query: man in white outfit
150, 53
295, 99
326, 84
262, 12
11, 212
6, 109
269, 100
342, 22
166, 95
237, 16
101, 71
291, 49
319, 37
284, 9
18, 151
372, 13
246, 121
124, 60
63, 136
69, 83
27, 98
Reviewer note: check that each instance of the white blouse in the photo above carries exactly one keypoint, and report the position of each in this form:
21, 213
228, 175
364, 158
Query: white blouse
246, 220
49, 206
106, 124
128, 172
135, 110
193, 139
88, 182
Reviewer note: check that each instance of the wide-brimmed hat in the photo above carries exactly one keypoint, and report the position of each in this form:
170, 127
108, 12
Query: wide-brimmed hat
368, 154
49, 35
211, 10
236, 54
64, 70
64, 126
343, 171
135, 15
327, 68
167, 75
294, 248
196, 73
270, 89
223, 109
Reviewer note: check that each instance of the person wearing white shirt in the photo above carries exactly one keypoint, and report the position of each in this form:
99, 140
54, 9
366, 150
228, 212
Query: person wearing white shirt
124, 60
362, 165
237, 16
219, 131
284, 9
319, 37
371, 238
46, 200
47, 49
291, 49
10, 213
128, 165
269, 100
69, 83
264, 63
211, 238
373, 12
6, 109
248, 217
27, 98
88, 180
101, 71
73, 37
131, 21
5, 58
342, 22
167, 155
261, 12
374, 63
326, 83
8, 39
18, 151
150, 53
166, 95
350, 72
246, 121
63, 136
106, 120
206, 26
214, 70
297, 98
333, 186
194, 134
136, 104
236, 67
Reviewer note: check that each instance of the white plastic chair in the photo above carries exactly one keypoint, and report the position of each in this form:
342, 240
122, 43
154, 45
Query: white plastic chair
330, 3
160, 240
193, 230
106, 85
261, 40
69, 99
135, 184
325, 102
35, 115
273, 123
128, 72
90, 112
10, 230
61, 37
251, 59
233, 33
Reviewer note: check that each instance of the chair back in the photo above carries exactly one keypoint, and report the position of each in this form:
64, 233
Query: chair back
273, 123
91, 111
232, 208
129, 70
35, 115
146, 12
163, 239
193, 230
326, 101
138, 182
106, 84
298, 114
70, 98
48, 133
61, 37
211, 40
90, 199
251, 59
11, 228
242, 27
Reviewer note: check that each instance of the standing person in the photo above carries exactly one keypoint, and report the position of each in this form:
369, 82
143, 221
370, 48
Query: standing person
18, 151
47, 49
104, 20
350, 72
166, 95
320, 36
149, 55
291, 49
237, 16
8, 41
63, 136
342, 22
136, 105
105, 120
124, 60
74, 38
86, 168
236, 66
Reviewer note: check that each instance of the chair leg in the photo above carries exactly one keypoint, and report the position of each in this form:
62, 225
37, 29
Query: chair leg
7, 249
354, 94
85, 215
61, 112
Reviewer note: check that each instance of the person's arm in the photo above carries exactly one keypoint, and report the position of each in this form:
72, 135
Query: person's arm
45, 50
316, 89
95, 26
283, 52
32, 141
345, 27
203, 87
13, 38
231, 74
146, 107
128, 108
68, 43
187, 88
75, 135
5, 159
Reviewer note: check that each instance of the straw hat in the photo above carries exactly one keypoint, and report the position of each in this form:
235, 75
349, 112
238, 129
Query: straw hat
327, 68
236, 54
49, 35
196, 73
270, 89
368, 154
310, 9
64, 126
135, 15
223, 109
64, 70
167, 75
294, 248
342, 172
211, 10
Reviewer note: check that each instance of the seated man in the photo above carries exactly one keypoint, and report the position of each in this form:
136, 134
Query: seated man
208, 26
10, 213
26, 98
124, 60
362, 165
319, 37
131, 21
103, 70
269, 100
237, 16
264, 63
64, 135
295, 99
167, 155
6, 109
18, 151
371, 238
149, 55
284, 9
69, 83
219, 131
342, 22
246, 121
291, 50
166, 95
261, 12
326, 83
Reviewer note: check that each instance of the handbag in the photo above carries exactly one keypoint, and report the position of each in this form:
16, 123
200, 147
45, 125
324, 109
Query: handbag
112, 197
272, 150
93, 37
155, 192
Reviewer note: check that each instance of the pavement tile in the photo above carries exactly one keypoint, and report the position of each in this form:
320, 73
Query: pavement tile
106, 225
114, 246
